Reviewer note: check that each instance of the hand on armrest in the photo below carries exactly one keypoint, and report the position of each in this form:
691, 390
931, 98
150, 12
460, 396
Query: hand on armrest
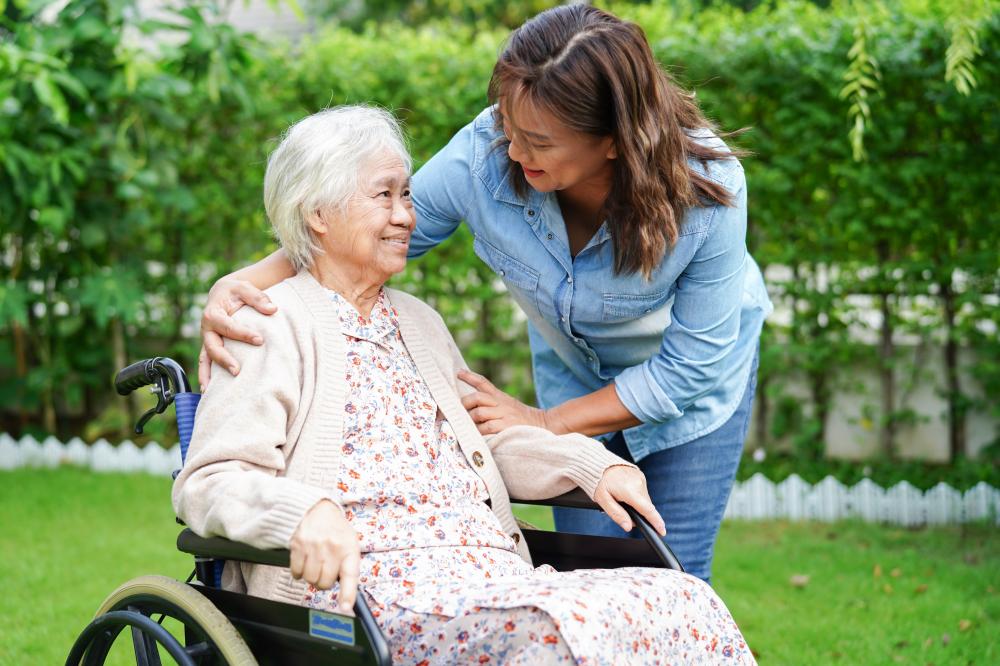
325, 549
624, 483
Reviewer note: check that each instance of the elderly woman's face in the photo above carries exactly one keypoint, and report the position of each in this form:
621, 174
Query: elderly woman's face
373, 235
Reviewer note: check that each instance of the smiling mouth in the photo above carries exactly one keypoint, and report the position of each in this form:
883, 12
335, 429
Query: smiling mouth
398, 240
531, 173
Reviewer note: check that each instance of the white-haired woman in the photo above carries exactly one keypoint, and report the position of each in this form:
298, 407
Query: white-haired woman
344, 439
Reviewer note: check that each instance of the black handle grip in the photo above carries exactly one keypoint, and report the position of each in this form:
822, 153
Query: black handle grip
134, 377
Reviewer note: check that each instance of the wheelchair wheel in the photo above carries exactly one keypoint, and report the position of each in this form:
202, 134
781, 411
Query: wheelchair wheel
142, 604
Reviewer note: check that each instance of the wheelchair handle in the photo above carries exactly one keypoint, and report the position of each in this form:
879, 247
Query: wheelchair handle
148, 371
168, 379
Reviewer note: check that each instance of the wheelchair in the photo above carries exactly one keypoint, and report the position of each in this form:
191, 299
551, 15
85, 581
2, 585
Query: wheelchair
223, 627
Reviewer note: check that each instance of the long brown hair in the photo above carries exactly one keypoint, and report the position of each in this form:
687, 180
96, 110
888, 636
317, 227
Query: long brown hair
596, 74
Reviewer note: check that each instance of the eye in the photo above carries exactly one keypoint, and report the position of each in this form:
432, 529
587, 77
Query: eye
385, 194
406, 194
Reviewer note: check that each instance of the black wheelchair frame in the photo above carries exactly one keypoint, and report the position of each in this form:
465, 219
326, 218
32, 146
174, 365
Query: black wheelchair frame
238, 628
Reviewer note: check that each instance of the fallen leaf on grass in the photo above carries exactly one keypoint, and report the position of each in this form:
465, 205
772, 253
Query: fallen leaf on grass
877, 571
920, 589
798, 580
887, 588
964, 625
945, 639
896, 573
928, 643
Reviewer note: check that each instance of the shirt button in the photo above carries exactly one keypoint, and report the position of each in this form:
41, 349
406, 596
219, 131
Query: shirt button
477, 458
648, 310
590, 358
549, 236
531, 212
516, 537
502, 273
563, 319
570, 279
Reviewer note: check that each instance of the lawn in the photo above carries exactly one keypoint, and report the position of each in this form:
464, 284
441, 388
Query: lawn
862, 594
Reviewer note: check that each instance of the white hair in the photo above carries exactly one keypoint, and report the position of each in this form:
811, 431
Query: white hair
318, 166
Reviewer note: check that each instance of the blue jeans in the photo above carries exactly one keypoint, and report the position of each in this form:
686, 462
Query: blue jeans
689, 484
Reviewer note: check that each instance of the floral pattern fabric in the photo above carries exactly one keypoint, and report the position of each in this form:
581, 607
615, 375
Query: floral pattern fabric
445, 581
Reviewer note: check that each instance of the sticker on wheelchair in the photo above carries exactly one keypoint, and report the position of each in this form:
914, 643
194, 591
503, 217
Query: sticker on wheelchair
331, 627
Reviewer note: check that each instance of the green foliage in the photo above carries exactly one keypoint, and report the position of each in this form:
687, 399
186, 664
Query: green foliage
961, 474
483, 13
139, 173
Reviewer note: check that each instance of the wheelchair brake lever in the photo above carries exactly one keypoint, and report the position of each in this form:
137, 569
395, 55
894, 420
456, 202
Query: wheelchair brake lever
163, 399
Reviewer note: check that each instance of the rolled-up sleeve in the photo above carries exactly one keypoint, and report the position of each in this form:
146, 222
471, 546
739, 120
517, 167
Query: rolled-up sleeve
705, 320
441, 190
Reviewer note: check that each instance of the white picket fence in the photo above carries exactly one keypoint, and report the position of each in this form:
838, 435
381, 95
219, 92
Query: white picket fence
754, 499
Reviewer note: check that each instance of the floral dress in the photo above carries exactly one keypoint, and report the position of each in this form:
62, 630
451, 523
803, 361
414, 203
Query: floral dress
445, 581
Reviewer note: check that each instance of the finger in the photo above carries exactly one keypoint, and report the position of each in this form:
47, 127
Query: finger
216, 351
475, 380
490, 427
204, 369
312, 568
221, 323
641, 502
328, 574
478, 399
295, 561
350, 570
484, 414
614, 510
255, 298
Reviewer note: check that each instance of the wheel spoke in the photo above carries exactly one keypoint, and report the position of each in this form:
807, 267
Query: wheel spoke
200, 649
144, 645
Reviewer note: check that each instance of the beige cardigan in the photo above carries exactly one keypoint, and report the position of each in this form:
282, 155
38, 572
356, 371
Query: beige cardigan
265, 446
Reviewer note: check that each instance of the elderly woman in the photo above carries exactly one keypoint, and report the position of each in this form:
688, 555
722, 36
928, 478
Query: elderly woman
344, 439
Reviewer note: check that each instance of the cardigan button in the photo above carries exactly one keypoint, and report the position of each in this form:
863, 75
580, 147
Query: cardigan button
516, 537
477, 458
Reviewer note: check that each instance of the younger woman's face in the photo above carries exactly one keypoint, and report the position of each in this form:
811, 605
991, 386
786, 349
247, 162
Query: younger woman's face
553, 156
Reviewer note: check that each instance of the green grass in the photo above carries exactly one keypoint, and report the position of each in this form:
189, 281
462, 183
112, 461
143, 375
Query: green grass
69, 537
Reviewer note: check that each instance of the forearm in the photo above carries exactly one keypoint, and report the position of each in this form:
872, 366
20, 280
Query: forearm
594, 414
536, 464
267, 272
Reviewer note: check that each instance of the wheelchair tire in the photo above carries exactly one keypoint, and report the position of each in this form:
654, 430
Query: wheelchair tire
161, 594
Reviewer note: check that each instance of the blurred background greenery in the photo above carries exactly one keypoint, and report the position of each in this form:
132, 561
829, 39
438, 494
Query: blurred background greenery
133, 143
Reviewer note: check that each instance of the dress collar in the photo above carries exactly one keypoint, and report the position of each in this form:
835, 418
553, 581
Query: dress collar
382, 323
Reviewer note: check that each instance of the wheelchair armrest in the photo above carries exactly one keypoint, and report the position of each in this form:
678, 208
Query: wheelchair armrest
574, 499
577, 499
218, 548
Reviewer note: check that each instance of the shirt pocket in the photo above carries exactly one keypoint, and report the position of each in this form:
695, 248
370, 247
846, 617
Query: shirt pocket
627, 307
511, 271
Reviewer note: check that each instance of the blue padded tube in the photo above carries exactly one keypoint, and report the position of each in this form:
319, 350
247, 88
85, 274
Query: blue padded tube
186, 405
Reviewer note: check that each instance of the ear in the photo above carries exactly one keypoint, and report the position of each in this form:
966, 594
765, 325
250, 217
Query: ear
612, 152
318, 221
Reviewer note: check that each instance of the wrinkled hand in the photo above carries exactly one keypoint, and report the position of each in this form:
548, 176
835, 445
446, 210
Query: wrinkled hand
325, 549
226, 297
621, 483
492, 410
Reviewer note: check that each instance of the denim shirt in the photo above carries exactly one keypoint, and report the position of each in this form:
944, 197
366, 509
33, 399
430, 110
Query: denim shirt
678, 346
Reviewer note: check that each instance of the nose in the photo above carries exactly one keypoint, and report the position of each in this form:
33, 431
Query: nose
402, 214
515, 151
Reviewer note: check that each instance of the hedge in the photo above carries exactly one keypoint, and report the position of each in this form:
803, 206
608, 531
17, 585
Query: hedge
130, 180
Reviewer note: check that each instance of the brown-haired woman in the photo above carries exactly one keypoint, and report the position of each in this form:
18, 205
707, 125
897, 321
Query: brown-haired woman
600, 195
